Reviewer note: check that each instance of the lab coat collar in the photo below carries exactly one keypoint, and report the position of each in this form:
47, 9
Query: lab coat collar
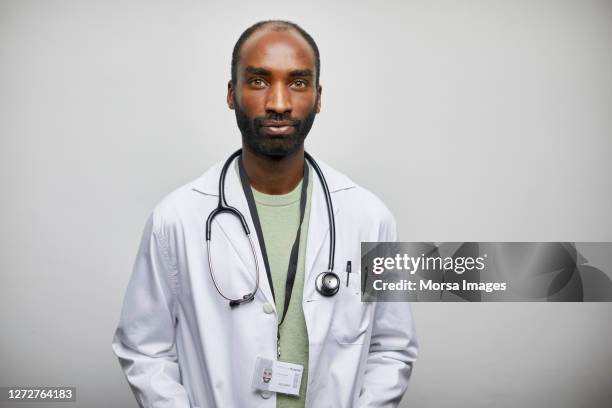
208, 183
318, 227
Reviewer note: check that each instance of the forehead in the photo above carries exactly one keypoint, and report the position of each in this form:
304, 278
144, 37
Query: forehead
277, 50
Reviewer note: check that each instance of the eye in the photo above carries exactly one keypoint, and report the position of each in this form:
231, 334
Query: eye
299, 83
257, 83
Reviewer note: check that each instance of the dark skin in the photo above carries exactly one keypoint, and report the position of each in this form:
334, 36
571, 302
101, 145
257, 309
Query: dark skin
276, 77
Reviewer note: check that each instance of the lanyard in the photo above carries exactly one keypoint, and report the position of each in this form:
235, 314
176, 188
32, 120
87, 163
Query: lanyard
293, 258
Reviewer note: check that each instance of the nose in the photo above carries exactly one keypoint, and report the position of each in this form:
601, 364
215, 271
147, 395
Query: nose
278, 99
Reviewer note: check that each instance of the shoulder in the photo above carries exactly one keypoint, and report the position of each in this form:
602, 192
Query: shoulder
367, 209
356, 199
372, 204
189, 200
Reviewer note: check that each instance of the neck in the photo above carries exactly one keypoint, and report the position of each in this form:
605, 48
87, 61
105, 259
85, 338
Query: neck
273, 175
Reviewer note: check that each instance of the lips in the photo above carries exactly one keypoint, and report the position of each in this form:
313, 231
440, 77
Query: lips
278, 128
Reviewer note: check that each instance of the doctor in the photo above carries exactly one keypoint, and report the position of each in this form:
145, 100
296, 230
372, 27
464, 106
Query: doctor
206, 303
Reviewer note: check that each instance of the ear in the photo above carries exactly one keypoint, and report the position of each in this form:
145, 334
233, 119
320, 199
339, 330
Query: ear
230, 95
319, 90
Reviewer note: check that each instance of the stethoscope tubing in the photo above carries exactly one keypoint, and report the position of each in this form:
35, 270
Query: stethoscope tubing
330, 212
212, 273
223, 207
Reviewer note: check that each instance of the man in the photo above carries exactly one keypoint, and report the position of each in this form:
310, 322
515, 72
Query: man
181, 344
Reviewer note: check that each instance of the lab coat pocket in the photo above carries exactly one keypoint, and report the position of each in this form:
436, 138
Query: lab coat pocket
352, 317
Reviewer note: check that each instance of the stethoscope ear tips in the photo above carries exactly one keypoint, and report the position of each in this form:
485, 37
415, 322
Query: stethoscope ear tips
327, 283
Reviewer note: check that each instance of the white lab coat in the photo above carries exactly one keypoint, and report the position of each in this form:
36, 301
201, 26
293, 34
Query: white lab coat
180, 345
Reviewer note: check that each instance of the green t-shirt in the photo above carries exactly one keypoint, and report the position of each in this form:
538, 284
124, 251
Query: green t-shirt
279, 216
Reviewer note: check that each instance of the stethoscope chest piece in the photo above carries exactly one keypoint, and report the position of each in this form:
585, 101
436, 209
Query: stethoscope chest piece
327, 283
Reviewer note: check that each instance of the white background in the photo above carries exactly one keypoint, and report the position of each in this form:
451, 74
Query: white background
473, 121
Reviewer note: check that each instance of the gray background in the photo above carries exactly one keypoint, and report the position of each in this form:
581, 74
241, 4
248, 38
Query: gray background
473, 121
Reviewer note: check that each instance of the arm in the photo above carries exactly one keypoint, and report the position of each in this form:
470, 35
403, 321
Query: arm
393, 348
144, 339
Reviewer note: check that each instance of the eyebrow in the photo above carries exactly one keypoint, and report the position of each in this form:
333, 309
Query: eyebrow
264, 72
301, 73
257, 71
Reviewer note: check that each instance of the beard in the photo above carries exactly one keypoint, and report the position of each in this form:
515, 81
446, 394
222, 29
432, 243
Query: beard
273, 146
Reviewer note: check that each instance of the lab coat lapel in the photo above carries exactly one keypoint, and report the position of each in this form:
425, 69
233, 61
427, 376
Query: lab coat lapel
234, 195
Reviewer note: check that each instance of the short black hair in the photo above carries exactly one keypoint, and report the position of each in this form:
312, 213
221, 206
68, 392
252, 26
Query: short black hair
279, 25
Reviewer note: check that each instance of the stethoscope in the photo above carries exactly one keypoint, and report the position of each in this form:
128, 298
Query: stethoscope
327, 282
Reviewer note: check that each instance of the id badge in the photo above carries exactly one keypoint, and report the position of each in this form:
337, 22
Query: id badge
277, 376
